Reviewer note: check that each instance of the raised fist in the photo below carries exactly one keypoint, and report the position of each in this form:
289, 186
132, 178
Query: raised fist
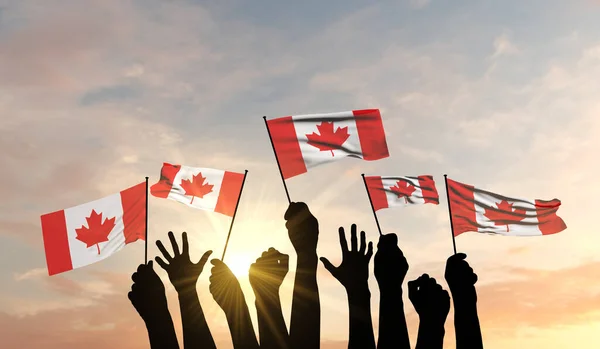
390, 264
303, 228
267, 274
431, 302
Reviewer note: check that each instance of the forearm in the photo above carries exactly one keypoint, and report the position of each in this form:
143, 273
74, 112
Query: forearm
161, 331
393, 331
305, 324
196, 333
271, 325
431, 335
361, 324
240, 326
466, 324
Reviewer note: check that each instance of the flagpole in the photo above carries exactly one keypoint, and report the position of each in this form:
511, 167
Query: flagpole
450, 212
146, 232
277, 159
234, 213
371, 201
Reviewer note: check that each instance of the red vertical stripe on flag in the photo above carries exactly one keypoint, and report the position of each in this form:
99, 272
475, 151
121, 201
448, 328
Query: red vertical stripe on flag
165, 184
376, 192
56, 242
287, 148
229, 193
371, 134
549, 222
462, 202
430, 194
133, 201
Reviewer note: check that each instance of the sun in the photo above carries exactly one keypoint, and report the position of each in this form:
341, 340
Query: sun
239, 264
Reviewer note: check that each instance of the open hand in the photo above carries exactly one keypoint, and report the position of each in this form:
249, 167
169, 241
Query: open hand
460, 277
183, 273
303, 228
225, 288
431, 302
147, 292
390, 264
353, 273
267, 274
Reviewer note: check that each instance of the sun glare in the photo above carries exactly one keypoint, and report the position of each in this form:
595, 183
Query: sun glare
239, 264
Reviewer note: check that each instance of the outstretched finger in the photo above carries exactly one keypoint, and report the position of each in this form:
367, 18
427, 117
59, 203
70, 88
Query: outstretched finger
370, 251
353, 239
185, 246
363, 242
204, 258
163, 250
343, 242
174, 244
327, 264
161, 263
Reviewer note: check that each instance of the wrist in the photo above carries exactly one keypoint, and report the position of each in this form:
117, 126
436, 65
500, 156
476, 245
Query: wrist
308, 254
186, 290
393, 289
267, 296
358, 294
432, 324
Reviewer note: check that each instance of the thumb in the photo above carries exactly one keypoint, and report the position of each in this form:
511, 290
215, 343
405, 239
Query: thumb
204, 258
327, 264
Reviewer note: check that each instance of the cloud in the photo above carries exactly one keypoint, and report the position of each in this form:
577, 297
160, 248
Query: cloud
503, 46
419, 3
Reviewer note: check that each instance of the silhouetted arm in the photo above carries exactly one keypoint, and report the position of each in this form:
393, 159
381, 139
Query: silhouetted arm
266, 276
305, 324
390, 270
148, 298
353, 274
227, 292
432, 303
461, 280
184, 274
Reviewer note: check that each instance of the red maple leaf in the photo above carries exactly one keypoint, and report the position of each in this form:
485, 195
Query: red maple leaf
196, 187
503, 214
403, 189
96, 231
328, 140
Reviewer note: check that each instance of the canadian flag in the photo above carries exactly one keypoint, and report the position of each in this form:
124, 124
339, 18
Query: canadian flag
477, 210
88, 233
305, 141
202, 188
388, 192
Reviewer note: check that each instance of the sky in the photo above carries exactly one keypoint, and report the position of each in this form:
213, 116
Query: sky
503, 95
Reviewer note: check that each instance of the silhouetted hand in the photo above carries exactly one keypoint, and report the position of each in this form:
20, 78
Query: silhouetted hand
182, 272
353, 273
147, 292
460, 277
303, 228
461, 280
431, 302
390, 264
148, 298
225, 287
267, 274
